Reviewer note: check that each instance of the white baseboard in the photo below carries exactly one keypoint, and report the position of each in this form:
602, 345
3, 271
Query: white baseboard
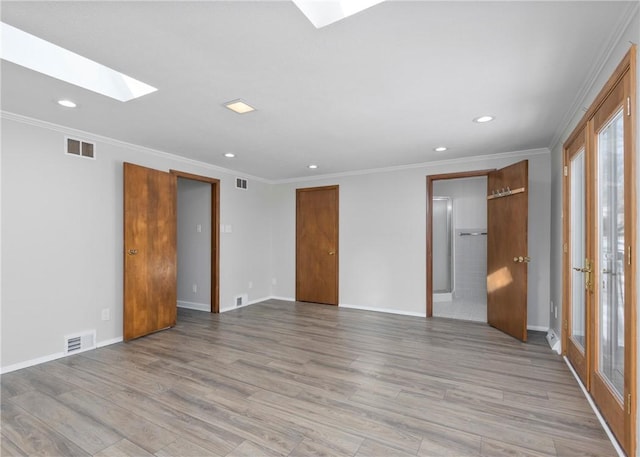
51, 357
193, 305
249, 303
596, 411
383, 310
273, 297
538, 328
104, 343
32, 362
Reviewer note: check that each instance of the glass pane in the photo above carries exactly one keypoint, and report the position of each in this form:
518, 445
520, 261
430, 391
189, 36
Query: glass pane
578, 252
611, 252
442, 209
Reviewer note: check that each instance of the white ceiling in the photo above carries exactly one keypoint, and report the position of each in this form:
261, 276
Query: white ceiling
379, 89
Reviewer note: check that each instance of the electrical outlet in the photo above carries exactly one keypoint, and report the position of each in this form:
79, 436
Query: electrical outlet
274, 281
199, 228
250, 284
556, 312
195, 288
551, 305
106, 314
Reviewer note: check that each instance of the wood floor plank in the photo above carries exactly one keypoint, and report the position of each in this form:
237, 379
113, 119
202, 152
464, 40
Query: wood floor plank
185, 448
123, 448
34, 437
289, 379
138, 431
78, 428
9, 449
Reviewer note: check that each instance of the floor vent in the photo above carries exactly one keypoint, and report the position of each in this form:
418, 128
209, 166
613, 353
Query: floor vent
241, 183
80, 148
80, 342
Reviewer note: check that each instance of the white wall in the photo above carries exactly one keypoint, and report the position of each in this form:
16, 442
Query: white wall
62, 237
194, 244
383, 234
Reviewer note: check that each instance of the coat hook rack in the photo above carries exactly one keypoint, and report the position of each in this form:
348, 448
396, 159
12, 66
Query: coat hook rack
504, 192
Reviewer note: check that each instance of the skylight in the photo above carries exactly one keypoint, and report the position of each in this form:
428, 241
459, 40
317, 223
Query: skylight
39, 55
322, 13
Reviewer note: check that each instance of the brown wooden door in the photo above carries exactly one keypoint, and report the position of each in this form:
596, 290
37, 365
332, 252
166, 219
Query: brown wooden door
317, 245
150, 257
577, 265
507, 254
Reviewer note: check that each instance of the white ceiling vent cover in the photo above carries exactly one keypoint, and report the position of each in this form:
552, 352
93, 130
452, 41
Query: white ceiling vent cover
79, 148
241, 183
80, 342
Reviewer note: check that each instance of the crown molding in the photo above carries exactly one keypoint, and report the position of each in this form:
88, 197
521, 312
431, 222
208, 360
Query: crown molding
123, 144
580, 100
456, 161
167, 155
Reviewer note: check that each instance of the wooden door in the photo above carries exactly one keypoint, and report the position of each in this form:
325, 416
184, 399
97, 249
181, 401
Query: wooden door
150, 257
317, 245
507, 254
577, 266
612, 379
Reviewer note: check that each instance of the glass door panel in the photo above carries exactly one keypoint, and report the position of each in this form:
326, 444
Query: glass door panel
578, 250
611, 249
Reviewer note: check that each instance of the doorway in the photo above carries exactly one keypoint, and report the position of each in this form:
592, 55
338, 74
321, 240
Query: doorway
507, 196
150, 248
460, 248
194, 244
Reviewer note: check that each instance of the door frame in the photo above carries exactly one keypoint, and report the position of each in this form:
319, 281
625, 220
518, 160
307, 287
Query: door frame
215, 232
430, 180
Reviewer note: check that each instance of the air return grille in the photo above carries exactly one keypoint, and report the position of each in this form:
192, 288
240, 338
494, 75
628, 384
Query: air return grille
80, 148
80, 342
241, 183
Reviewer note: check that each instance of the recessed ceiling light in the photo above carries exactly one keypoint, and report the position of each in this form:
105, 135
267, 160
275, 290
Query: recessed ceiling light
67, 103
229, 155
39, 55
239, 106
440, 149
312, 166
483, 119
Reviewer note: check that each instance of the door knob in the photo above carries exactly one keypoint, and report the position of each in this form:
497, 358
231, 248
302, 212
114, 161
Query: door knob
522, 259
332, 252
132, 251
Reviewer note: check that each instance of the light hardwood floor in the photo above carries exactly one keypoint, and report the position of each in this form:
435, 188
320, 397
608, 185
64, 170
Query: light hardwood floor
294, 379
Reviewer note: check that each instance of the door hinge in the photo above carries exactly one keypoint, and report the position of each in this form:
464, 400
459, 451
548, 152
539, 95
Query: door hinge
628, 255
566, 325
628, 106
628, 403
566, 170
565, 248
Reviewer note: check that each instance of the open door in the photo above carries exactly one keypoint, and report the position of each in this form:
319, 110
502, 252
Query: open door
149, 251
507, 255
317, 245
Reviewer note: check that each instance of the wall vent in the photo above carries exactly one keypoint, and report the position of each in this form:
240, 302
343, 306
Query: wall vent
80, 148
241, 300
80, 342
241, 183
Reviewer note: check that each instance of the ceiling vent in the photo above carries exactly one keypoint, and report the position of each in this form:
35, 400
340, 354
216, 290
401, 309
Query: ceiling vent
80, 342
80, 148
241, 183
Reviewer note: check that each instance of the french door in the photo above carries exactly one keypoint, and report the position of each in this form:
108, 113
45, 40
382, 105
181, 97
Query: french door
599, 269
